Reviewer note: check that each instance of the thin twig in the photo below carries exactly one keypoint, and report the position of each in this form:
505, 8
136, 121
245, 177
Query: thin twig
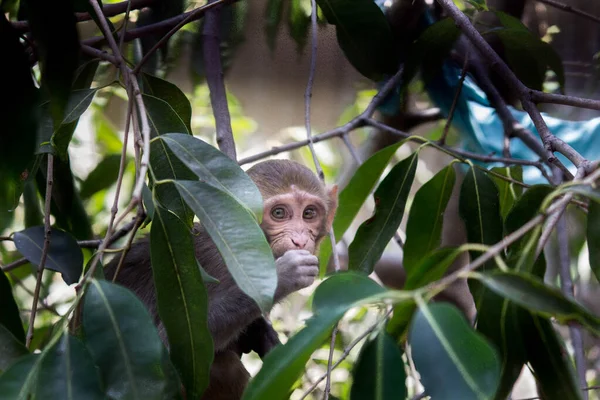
570, 9
566, 284
457, 92
45, 249
329, 363
211, 42
347, 351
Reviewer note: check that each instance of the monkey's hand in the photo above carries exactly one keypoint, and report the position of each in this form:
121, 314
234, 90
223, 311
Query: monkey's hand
258, 336
296, 269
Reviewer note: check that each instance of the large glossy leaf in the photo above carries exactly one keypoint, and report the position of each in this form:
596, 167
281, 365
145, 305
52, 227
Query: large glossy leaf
238, 237
364, 35
101, 177
508, 192
9, 317
170, 94
593, 237
526, 207
353, 196
18, 382
64, 254
123, 342
424, 227
68, 372
532, 294
390, 199
379, 371
182, 300
19, 120
162, 117
215, 168
454, 362
479, 207
54, 29
285, 363
11, 348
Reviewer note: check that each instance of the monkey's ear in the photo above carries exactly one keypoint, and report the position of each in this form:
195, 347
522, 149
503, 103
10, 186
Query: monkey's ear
332, 203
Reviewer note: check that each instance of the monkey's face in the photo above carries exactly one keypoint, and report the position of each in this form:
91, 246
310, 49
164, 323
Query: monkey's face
295, 220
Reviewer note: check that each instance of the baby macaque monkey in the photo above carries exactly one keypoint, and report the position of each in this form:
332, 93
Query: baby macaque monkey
298, 213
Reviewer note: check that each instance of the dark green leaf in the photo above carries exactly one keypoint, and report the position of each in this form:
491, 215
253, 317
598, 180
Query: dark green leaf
453, 360
238, 237
162, 117
215, 168
53, 26
33, 210
379, 371
19, 119
123, 342
424, 227
529, 57
549, 359
430, 50
364, 35
170, 94
11, 348
532, 294
64, 254
479, 207
68, 372
182, 300
593, 237
274, 11
508, 192
101, 177
18, 382
285, 363
390, 199
353, 196
9, 317
299, 22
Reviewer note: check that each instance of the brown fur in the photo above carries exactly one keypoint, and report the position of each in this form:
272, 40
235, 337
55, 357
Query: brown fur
234, 319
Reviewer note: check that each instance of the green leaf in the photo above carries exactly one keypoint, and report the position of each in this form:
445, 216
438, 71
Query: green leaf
182, 300
364, 35
18, 382
216, 169
64, 254
273, 13
162, 117
54, 29
9, 317
19, 116
68, 372
584, 190
238, 237
123, 342
424, 227
353, 196
430, 50
548, 357
530, 57
379, 371
593, 237
101, 177
170, 94
454, 362
11, 348
508, 192
532, 294
33, 209
285, 363
299, 22
479, 207
390, 199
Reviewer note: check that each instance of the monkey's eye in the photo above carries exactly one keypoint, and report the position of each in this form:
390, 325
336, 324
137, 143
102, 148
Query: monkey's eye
278, 213
309, 213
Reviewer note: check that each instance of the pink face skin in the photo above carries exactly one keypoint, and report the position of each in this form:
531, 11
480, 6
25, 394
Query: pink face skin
293, 221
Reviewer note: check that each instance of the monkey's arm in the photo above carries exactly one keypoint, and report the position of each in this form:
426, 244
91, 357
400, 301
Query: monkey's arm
259, 337
231, 310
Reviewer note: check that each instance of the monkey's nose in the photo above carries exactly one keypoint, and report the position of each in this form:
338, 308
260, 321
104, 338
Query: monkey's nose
299, 242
